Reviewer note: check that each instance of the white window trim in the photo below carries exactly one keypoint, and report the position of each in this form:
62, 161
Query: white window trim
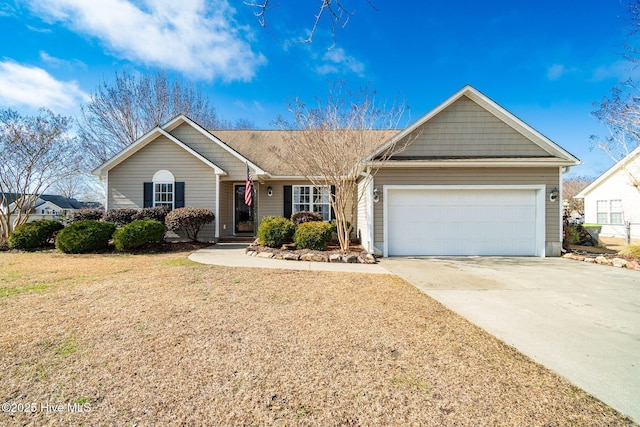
311, 202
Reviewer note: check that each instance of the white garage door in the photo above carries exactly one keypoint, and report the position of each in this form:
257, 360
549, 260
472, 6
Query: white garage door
461, 222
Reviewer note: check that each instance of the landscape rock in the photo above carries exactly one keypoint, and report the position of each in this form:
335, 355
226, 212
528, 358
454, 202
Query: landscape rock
335, 258
603, 260
351, 259
313, 258
369, 259
251, 253
265, 255
633, 265
619, 262
590, 260
291, 257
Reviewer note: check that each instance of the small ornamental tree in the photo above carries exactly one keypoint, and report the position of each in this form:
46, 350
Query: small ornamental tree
189, 220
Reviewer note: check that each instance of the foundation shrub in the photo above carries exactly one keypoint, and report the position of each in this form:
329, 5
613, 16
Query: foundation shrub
275, 231
85, 236
33, 235
82, 214
137, 234
305, 216
313, 235
120, 217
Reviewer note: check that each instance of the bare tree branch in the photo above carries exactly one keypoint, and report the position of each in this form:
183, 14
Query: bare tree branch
330, 141
37, 152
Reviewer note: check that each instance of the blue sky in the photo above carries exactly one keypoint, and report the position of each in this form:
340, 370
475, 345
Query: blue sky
545, 61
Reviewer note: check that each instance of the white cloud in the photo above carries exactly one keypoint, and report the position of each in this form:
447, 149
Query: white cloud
198, 38
555, 71
337, 61
33, 87
621, 70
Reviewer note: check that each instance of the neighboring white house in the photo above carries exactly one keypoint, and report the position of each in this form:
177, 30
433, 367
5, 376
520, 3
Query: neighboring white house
47, 206
613, 200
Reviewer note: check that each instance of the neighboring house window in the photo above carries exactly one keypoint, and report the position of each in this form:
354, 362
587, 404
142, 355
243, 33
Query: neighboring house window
602, 211
616, 212
314, 199
609, 212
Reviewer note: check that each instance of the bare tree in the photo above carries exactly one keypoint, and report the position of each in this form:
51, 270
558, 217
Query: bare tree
121, 111
335, 12
332, 138
620, 111
570, 188
37, 151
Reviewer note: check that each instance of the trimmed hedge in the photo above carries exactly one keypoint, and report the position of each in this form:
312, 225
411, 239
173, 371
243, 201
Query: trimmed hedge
32, 235
85, 236
305, 216
313, 235
190, 220
138, 233
275, 231
83, 214
158, 213
120, 217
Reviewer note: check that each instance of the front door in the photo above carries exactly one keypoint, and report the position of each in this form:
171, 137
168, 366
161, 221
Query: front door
243, 216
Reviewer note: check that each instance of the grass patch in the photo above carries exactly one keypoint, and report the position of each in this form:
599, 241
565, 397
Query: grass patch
630, 250
10, 291
410, 381
66, 348
180, 262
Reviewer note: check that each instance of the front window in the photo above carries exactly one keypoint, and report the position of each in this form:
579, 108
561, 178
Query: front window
163, 194
313, 199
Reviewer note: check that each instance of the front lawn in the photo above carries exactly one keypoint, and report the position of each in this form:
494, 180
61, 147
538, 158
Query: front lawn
158, 340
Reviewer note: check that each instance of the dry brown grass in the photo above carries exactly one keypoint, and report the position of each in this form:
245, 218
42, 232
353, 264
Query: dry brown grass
158, 340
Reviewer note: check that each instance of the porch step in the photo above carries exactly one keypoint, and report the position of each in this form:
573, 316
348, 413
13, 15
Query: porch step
234, 239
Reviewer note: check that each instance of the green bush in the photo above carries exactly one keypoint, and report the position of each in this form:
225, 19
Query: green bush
120, 217
85, 236
275, 231
190, 220
32, 235
138, 233
82, 214
313, 235
305, 216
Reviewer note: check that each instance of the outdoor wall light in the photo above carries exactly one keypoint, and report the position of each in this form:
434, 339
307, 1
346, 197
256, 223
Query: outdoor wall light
269, 191
376, 195
553, 196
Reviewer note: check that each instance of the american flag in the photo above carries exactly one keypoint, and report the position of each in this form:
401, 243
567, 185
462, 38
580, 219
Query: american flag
248, 187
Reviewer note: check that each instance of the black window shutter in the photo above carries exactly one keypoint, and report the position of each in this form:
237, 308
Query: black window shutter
179, 202
333, 192
148, 195
288, 205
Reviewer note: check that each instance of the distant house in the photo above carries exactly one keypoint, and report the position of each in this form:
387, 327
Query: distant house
613, 199
47, 206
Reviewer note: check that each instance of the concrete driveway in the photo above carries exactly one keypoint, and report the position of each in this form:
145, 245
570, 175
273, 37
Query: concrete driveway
580, 320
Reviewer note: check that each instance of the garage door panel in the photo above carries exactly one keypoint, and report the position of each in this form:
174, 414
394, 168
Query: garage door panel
461, 222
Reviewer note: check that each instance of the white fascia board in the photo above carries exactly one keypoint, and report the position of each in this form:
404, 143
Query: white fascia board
612, 170
178, 120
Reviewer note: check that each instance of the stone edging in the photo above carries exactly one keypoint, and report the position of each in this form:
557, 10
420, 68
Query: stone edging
603, 260
310, 256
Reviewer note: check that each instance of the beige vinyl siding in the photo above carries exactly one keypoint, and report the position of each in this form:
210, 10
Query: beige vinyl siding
472, 176
126, 179
235, 168
465, 129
